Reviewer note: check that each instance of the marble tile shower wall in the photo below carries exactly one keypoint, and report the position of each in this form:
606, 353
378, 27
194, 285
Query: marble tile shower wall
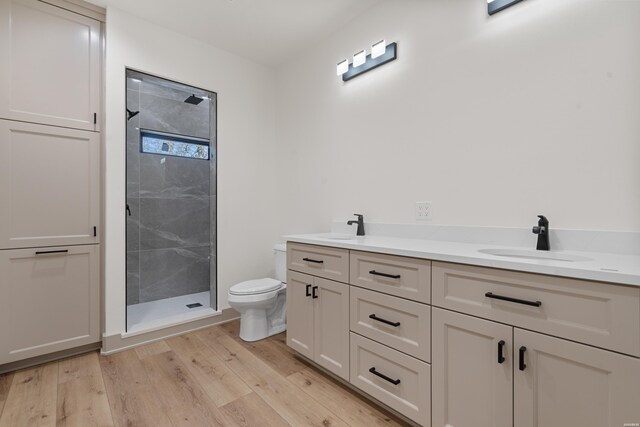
170, 232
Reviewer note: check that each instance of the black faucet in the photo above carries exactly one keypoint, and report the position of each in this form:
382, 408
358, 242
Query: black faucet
360, 223
542, 230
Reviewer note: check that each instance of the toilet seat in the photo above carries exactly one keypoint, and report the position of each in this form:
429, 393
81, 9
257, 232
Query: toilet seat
258, 286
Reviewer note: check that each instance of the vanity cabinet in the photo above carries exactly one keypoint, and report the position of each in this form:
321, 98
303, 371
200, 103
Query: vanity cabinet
318, 321
49, 300
49, 186
50, 68
452, 345
486, 374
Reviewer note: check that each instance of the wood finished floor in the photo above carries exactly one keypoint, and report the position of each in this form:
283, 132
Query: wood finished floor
205, 378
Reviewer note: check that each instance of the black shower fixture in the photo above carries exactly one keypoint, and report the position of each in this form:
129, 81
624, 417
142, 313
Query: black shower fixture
131, 114
193, 100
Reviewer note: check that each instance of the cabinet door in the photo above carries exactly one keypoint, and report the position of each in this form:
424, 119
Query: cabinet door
300, 313
50, 68
49, 300
49, 185
470, 387
331, 326
568, 384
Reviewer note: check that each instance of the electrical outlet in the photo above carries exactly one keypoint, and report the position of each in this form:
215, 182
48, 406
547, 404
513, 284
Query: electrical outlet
424, 211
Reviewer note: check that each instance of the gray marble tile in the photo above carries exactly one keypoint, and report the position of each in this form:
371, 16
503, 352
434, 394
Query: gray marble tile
133, 278
167, 273
173, 177
174, 93
174, 223
172, 116
133, 225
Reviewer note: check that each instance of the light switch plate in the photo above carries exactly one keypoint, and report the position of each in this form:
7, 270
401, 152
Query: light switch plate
424, 211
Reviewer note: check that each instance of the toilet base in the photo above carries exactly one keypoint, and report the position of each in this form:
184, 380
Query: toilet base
254, 326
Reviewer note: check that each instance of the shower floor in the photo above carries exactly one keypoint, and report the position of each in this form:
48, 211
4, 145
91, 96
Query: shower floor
149, 315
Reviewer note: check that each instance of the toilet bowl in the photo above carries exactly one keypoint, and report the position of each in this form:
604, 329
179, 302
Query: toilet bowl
262, 302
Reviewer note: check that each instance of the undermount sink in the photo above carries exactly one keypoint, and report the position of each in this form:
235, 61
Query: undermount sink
339, 236
535, 255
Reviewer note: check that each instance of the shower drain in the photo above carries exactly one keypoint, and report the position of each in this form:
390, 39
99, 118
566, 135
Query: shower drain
194, 305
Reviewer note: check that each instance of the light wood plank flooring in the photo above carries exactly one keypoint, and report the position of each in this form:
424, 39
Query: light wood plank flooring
206, 378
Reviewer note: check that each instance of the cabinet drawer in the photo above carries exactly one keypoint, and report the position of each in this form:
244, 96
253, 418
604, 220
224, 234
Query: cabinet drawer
396, 322
330, 263
411, 396
49, 300
599, 314
401, 276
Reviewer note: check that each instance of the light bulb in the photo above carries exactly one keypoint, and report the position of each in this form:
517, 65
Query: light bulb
359, 58
342, 67
378, 49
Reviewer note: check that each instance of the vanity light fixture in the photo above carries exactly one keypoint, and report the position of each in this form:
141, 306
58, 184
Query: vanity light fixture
495, 6
342, 67
359, 58
378, 49
380, 54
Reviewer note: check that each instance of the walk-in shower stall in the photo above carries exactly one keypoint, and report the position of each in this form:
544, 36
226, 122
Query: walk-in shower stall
171, 201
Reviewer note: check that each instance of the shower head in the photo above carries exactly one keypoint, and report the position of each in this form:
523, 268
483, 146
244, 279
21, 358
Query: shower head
131, 114
193, 100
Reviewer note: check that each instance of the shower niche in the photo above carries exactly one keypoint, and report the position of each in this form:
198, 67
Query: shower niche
171, 201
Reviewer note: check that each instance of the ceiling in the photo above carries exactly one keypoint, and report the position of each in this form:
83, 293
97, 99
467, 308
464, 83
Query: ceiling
266, 31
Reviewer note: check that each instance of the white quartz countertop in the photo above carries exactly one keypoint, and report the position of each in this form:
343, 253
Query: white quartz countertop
605, 267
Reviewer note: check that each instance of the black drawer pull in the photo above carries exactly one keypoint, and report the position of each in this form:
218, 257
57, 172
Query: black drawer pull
388, 322
313, 260
307, 293
516, 300
500, 351
314, 295
522, 366
391, 276
61, 251
383, 376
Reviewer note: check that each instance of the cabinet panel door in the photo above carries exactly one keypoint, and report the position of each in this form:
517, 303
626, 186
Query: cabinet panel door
300, 313
49, 300
331, 326
49, 185
470, 387
569, 384
50, 68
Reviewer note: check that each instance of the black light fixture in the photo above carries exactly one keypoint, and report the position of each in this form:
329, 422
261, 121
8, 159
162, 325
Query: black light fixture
495, 6
381, 53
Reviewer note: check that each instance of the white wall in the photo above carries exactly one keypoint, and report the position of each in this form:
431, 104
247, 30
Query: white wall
246, 151
495, 119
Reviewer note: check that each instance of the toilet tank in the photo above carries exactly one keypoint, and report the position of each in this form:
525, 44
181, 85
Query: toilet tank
280, 252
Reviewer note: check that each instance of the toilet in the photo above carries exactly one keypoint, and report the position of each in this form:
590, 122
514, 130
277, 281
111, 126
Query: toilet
262, 302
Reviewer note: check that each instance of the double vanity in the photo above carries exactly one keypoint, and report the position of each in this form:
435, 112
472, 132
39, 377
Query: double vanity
452, 334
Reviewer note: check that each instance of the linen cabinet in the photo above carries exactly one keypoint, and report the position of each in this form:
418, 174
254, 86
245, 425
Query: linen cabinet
50, 189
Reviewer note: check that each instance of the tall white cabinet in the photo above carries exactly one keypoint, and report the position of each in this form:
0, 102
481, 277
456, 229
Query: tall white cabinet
50, 229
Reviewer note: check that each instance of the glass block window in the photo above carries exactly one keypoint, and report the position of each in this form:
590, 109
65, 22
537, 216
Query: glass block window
174, 145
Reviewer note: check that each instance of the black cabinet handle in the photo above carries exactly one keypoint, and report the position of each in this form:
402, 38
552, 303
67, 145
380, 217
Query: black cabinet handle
500, 351
61, 251
521, 365
307, 293
391, 276
516, 300
384, 377
388, 322
313, 260
314, 295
